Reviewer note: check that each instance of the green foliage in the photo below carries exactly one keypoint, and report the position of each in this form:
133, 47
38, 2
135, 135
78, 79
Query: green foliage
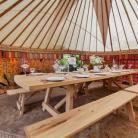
79, 63
62, 61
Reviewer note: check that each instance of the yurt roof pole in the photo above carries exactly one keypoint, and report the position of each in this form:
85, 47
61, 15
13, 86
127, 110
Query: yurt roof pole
41, 19
33, 19
97, 21
91, 25
66, 20
115, 25
20, 23
2, 1
56, 12
129, 20
103, 31
86, 25
59, 16
37, 36
81, 24
11, 7
108, 9
17, 14
133, 8
74, 25
69, 24
122, 25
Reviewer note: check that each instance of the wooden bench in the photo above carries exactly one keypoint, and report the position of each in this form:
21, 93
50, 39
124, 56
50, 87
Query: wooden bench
21, 99
69, 123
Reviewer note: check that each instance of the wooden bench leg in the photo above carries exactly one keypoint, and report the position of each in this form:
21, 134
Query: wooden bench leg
95, 132
130, 111
20, 104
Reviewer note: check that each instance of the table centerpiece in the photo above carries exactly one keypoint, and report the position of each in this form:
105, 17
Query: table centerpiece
96, 62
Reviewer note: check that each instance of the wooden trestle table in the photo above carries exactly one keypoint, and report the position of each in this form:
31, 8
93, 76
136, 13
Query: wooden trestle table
36, 83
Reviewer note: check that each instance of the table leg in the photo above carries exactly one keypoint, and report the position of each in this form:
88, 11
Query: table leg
69, 97
47, 96
130, 79
60, 103
116, 83
80, 89
104, 83
45, 104
109, 84
86, 85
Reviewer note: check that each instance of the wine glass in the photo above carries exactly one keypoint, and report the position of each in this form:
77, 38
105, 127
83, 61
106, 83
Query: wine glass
32, 70
25, 67
129, 66
121, 67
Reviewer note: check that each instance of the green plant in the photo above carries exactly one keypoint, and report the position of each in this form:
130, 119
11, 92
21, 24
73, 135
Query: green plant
63, 61
79, 63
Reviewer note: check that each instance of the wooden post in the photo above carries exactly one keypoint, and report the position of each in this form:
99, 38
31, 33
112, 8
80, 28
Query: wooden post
69, 97
130, 78
47, 98
59, 104
104, 83
86, 85
130, 111
109, 84
20, 104
96, 132
80, 88
48, 94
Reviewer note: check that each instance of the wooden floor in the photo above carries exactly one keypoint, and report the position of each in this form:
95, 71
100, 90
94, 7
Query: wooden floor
113, 126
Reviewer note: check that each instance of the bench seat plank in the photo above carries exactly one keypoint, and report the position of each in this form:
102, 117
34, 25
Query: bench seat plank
133, 89
72, 122
16, 91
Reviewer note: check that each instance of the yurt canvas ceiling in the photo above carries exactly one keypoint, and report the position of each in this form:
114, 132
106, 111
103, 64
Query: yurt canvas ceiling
81, 25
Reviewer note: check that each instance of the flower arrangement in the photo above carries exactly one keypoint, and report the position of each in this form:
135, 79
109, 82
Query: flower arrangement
69, 63
62, 62
96, 60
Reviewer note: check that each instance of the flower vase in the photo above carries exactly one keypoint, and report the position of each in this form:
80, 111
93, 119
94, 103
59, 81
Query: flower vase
96, 68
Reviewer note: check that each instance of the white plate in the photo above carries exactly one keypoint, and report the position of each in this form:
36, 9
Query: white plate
116, 71
75, 71
59, 72
82, 75
37, 73
101, 73
55, 78
125, 70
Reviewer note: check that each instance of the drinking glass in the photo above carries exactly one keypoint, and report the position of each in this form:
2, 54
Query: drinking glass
129, 66
32, 70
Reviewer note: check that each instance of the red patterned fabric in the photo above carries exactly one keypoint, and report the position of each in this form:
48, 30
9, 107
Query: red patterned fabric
11, 61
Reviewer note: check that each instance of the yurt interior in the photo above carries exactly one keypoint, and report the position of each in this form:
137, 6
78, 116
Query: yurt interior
68, 68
